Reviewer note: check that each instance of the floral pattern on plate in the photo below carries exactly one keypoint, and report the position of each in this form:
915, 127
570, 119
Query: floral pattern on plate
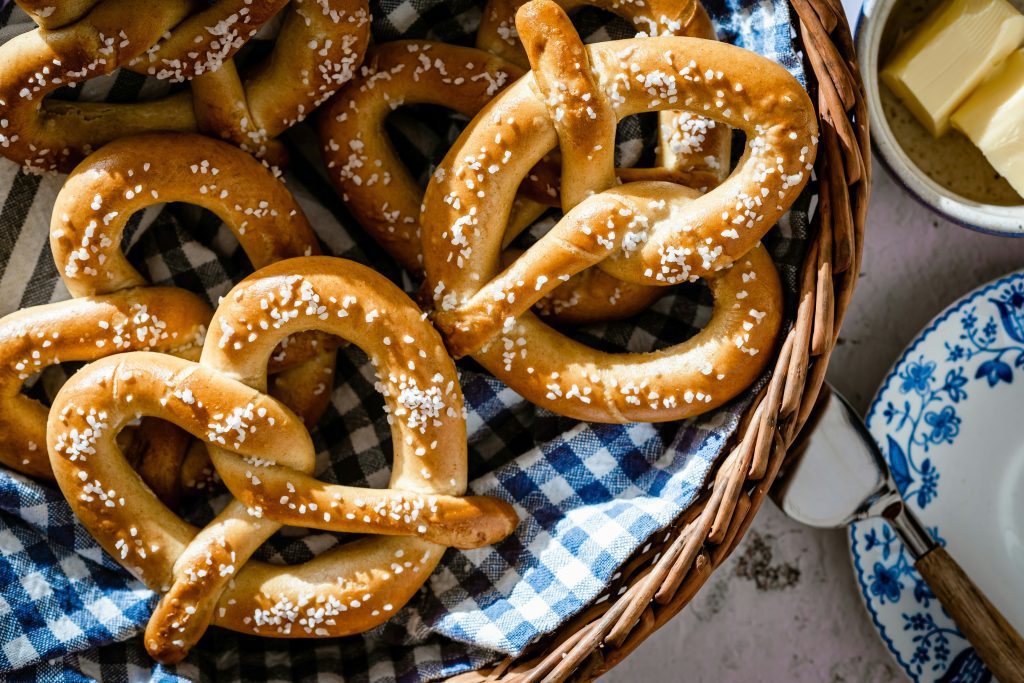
975, 346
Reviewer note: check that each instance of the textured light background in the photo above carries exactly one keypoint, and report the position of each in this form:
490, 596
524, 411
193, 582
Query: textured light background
786, 607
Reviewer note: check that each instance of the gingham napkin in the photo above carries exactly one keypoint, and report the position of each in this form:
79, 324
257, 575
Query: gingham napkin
587, 495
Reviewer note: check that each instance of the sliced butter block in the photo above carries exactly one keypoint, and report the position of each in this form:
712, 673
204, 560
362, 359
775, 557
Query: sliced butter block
993, 118
949, 54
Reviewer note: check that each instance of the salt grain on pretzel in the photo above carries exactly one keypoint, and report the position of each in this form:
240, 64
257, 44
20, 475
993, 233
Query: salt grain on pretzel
266, 458
646, 232
171, 40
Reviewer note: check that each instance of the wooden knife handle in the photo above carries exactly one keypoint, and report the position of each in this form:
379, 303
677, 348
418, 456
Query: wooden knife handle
994, 639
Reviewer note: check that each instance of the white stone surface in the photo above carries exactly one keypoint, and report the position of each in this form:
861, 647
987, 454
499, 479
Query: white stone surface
797, 616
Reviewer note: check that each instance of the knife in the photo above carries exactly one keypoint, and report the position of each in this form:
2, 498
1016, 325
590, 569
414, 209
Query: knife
835, 474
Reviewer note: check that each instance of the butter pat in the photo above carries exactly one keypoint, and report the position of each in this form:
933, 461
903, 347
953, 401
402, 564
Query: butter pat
951, 52
993, 118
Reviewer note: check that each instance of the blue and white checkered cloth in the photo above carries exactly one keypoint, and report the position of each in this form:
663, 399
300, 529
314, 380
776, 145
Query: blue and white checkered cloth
588, 495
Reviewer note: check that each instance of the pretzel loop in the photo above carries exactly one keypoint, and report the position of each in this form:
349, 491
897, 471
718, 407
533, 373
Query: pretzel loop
651, 233
131, 174
690, 146
691, 150
162, 319
266, 458
362, 161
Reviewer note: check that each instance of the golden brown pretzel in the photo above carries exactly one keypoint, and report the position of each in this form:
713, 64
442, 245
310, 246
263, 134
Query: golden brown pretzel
692, 150
173, 40
132, 173
162, 319
645, 232
265, 456
384, 197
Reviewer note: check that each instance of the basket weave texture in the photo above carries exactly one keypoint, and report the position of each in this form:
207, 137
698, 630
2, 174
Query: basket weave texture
664, 575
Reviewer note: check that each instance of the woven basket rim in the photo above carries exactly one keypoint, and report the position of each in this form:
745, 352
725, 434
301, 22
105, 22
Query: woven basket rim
666, 573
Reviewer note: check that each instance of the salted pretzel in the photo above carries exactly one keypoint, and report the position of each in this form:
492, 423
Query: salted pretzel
320, 44
694, 147
266, 458
652, 233
381, 192
692, 150
132, 173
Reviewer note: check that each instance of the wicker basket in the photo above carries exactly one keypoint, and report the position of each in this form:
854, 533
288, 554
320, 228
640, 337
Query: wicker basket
664, 575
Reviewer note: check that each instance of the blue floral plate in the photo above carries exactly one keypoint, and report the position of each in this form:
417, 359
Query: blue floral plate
950, 421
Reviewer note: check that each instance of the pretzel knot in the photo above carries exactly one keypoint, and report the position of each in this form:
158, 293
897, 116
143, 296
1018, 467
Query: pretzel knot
120, 312
266, 457
690, 146
653, 233
174, 41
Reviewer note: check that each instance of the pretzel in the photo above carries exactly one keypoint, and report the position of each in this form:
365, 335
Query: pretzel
266, 457
689, 144
171, 40
132, 173
163, 319
385, 198
651, 233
